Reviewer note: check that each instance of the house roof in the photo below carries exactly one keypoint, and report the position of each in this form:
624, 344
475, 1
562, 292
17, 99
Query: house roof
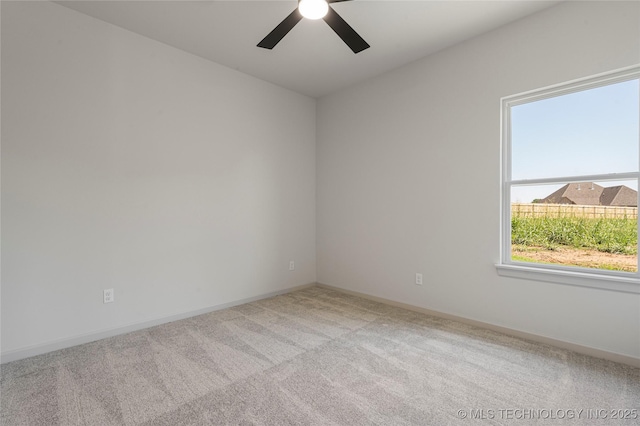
592, 194
583, 193
619, 196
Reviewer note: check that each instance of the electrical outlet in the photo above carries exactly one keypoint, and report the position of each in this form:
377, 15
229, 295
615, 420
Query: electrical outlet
418, 279
108, 295
292, 265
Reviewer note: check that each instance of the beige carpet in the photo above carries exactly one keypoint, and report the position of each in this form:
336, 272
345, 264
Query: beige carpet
316, 357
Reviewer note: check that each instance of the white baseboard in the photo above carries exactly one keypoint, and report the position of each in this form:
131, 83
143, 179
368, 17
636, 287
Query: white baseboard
585, 350
34, 350
55, 345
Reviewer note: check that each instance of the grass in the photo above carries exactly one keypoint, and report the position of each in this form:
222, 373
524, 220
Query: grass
618, 236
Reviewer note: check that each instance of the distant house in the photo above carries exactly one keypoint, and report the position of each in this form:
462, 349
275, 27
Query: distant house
591, 194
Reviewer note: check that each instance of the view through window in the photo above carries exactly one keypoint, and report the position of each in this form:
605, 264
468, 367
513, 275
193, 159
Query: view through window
571, 175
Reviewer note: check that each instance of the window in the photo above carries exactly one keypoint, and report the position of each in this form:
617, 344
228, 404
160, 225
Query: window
570, 171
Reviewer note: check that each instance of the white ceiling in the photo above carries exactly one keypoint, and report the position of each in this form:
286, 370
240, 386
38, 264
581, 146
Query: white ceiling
311, 59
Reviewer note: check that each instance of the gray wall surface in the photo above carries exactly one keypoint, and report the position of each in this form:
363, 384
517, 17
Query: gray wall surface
182, 184
402, 157
131, 165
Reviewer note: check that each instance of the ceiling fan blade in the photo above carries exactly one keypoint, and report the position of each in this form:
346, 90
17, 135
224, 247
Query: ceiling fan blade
281, 30
336, 1
345, 32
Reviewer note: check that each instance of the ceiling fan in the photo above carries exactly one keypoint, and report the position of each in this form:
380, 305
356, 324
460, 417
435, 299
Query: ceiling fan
316, 9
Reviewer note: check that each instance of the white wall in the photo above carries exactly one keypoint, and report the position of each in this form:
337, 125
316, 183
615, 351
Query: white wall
403, 158
184, 185
131, 165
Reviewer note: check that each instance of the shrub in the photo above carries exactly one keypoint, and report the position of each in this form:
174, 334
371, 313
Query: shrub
606, 235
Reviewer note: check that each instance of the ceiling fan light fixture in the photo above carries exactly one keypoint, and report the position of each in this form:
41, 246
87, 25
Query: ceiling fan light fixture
313, 9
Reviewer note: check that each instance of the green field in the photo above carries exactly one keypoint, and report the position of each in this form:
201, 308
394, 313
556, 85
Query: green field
618, 236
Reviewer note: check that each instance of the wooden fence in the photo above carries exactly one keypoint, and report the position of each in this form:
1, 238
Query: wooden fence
570, 210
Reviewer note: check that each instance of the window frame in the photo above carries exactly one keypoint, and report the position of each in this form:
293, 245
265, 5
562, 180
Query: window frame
571, 275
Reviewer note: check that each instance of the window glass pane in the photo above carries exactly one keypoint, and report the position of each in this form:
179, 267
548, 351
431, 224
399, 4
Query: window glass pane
581, 224
594, 131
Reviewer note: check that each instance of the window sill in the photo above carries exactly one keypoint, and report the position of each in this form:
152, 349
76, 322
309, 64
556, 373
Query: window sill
581, 279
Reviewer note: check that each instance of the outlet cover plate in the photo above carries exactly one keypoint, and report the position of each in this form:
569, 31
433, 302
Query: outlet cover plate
108, 295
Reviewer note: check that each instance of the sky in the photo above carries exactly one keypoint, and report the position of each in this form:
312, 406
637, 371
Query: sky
594, 131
